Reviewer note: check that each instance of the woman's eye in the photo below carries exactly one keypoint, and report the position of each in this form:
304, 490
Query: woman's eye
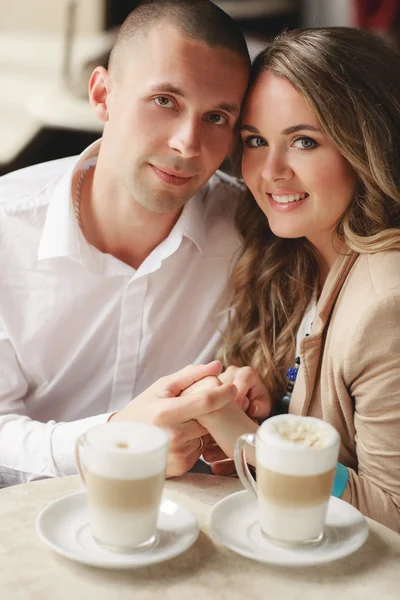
164, 102
254, 141
217, 119
304, 143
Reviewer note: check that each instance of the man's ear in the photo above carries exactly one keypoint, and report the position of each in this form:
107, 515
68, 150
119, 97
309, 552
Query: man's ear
99, 84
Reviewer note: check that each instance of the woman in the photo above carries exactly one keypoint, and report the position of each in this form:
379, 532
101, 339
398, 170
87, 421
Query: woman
321, 158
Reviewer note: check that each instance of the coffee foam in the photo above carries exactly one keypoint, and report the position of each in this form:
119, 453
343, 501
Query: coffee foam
125, 450
291, 457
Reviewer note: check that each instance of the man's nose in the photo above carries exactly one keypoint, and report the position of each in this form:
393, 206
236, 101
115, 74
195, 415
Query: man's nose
186, 139
276, 167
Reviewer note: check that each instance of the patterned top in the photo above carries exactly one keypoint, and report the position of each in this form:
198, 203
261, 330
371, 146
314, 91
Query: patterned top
303, 331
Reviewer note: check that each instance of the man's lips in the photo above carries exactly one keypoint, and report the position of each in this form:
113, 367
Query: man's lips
170, 177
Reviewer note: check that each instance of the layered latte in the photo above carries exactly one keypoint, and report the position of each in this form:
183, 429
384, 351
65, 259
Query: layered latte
296, 464
124, 476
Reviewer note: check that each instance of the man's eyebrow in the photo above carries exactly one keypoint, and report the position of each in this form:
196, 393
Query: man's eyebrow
287, 131
233, 109
168, 88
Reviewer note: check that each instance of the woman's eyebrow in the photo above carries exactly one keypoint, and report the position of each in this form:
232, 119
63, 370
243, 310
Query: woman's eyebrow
302, 126
287, 131
249, 128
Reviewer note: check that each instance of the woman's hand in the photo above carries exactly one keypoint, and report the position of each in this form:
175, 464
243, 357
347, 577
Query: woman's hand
220, 463
225, 425
253, 396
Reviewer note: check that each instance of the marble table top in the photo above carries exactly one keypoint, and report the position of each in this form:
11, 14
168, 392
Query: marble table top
207, 571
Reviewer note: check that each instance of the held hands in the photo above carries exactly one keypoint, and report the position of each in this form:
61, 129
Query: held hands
228, 423
160, 405
253, 397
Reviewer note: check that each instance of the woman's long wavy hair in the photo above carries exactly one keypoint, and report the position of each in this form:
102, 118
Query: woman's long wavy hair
351, 79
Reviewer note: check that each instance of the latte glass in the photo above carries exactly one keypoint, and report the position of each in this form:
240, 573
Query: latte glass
296, 460
123, 468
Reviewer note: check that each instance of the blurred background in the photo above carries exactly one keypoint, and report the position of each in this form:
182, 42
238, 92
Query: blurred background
49, 48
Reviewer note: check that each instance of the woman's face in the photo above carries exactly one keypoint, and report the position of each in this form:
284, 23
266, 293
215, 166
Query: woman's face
300, 181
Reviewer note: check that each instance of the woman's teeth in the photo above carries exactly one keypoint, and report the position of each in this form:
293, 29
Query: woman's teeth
289, 198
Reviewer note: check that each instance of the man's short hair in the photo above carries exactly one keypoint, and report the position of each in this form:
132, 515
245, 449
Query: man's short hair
200, 20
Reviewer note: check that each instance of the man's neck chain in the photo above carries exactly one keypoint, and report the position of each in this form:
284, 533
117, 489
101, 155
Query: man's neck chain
77, 203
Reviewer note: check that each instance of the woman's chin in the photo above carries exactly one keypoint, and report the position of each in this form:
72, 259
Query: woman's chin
286, 232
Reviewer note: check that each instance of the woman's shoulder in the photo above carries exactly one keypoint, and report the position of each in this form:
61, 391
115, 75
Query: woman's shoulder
380, 272
367, 310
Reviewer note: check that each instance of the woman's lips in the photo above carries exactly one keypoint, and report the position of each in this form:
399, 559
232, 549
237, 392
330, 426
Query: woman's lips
287, 206
169, 177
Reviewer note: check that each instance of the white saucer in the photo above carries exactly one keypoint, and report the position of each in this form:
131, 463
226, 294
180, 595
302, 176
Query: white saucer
234, 523
63, 526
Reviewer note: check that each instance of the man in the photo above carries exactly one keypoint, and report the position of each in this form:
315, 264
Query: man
114, 265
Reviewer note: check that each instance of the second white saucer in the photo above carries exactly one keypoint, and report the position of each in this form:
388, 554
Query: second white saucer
234, 523
63, 526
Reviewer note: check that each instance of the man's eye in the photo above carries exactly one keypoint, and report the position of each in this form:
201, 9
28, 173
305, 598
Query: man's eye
254, 141
164, 102
217, 119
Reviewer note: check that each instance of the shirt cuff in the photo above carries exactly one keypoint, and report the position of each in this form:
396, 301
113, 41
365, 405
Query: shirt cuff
63, 440
341, 477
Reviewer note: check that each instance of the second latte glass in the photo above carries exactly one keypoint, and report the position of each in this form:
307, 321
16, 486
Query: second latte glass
296, 462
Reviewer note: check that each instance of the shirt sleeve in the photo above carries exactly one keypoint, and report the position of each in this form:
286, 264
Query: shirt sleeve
373, 374
30, 449
340, 481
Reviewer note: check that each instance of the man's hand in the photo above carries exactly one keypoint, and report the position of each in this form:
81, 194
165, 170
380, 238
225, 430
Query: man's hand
160, 405
253, 397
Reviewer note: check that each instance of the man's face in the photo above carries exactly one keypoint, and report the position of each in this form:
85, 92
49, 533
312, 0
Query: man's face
172, 108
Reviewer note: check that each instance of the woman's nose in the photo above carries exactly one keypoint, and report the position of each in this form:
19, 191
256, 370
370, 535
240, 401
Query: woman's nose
276, 167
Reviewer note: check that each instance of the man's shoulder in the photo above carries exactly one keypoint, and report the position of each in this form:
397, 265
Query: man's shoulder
220, 204
19, 187
222, 194
226, 184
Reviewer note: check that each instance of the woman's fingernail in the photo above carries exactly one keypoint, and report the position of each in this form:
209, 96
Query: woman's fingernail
234, 389
255, 410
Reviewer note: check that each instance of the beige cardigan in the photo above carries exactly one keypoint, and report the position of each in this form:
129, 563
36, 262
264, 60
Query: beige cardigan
350, 377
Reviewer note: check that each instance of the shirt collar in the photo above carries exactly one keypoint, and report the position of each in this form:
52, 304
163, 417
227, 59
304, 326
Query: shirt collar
61, 235
192, 221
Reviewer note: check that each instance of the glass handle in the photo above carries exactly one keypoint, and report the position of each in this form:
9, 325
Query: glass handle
78, 445
240, 462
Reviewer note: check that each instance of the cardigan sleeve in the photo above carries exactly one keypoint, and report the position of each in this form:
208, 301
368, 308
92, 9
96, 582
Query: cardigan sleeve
373, 375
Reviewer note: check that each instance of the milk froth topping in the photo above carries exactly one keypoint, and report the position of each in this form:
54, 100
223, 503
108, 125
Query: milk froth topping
307, 433
297, 445
123, 450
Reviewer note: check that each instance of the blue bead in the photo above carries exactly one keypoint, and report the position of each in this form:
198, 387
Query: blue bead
291, 373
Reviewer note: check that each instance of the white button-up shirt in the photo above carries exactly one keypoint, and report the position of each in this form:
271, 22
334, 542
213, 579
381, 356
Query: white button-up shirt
82, 333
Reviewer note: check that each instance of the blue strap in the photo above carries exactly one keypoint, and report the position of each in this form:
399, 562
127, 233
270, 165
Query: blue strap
341, 477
